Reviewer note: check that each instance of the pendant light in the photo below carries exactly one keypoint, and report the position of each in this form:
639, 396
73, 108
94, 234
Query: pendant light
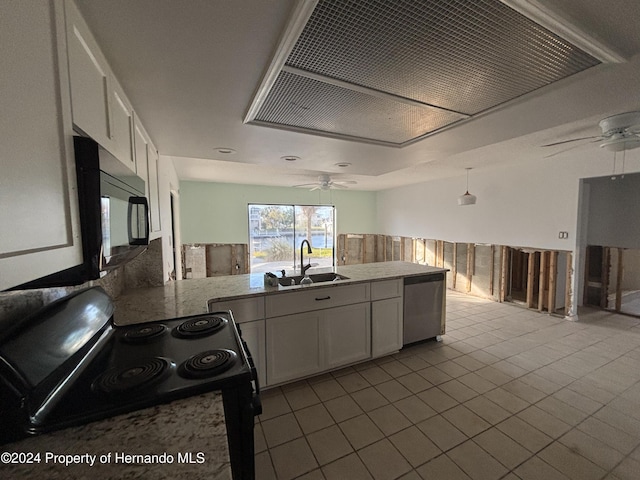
467, 198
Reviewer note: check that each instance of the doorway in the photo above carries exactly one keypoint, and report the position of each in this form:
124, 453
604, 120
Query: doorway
523, 276
537, 279
612, 279
175, 240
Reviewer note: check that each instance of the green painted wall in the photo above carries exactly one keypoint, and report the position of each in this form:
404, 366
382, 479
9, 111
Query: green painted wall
217, 212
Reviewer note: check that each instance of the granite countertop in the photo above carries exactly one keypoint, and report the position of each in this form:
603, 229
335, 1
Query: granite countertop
188, 438
189, 297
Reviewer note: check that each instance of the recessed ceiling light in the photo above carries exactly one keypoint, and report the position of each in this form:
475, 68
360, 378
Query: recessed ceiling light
225, 150
343, 164
290, 158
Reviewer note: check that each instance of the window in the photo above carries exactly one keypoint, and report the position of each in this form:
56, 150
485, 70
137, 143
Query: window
276, 232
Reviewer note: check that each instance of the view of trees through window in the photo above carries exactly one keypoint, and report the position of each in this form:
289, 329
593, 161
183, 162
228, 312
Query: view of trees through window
277, 231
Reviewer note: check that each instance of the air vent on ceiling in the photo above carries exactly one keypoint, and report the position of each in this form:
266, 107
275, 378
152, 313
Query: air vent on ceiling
394, 72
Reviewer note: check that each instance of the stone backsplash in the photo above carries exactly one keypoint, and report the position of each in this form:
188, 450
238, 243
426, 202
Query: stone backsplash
143, 271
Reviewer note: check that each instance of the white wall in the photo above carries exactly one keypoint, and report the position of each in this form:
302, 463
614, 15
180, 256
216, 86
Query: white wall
168, 183
525, 204
217, 212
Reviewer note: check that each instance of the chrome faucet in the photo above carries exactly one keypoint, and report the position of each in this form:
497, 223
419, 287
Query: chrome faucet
303, 269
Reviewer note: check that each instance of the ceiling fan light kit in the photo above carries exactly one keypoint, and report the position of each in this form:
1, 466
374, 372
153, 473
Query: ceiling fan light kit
621, 144
619, 133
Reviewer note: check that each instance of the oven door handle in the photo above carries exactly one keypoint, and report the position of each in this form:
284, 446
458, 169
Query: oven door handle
256, 403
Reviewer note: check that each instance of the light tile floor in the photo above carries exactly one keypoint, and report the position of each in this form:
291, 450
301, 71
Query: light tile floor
509, 394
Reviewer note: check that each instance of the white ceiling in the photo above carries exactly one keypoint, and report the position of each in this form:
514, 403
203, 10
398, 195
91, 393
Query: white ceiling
192, 67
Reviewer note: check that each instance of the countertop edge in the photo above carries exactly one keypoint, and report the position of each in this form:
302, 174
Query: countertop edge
190, 297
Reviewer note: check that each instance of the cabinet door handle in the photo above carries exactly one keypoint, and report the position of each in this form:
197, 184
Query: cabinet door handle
322, 298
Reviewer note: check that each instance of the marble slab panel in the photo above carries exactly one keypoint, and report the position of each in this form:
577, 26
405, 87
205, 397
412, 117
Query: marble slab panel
183, 439
189, 297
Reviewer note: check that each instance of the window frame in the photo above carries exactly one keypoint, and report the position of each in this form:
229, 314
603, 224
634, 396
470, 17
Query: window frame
296, 237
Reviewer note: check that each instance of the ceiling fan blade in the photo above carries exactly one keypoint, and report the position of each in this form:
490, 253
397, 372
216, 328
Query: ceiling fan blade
317, 187
303, 185
336, 185
344, 182
599, 137
567, 149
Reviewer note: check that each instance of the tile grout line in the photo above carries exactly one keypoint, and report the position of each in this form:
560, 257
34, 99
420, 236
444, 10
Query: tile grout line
399, 357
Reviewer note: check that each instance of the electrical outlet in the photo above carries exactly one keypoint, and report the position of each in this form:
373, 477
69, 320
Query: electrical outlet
563, 235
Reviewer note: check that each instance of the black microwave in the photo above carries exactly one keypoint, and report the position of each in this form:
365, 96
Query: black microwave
114, 216
114, 213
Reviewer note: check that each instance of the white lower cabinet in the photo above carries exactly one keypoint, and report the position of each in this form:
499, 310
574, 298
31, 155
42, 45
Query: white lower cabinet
293, 346
299, 339
253, 333
248, 313
307, 343
386, 316
243, 309
346, 335
386, 326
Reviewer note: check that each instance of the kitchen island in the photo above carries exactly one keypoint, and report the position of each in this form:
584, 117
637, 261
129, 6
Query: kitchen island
296, 331
190, 297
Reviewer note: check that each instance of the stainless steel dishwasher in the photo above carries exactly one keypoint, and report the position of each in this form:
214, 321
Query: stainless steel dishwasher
424, 307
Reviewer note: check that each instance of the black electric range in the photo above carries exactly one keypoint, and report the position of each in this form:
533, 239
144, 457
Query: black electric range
68, 364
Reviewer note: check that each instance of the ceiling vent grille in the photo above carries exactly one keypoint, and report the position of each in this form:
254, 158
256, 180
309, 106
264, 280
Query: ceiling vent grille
302, 103
393, 72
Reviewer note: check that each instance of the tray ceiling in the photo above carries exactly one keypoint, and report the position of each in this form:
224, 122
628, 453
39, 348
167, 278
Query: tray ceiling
394, 72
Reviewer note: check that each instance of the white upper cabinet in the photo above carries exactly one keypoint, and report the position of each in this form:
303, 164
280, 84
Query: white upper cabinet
146, 157
141, 144
99, 105
38, 210
153, 189
121, 126
89, 78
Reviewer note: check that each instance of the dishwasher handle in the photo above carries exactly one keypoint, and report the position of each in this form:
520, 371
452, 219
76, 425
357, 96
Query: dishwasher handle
436, 277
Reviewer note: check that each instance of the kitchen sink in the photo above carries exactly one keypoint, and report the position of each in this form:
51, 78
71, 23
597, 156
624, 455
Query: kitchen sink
315, 278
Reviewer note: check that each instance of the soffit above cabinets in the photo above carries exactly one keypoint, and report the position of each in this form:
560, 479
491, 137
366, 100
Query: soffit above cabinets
394, 72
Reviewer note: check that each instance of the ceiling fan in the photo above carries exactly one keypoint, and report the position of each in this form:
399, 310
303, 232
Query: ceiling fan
619, 132
325, 183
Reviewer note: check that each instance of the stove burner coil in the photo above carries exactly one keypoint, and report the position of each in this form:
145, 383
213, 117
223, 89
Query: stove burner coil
132, 377
208, 364
144, 333
200, 327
